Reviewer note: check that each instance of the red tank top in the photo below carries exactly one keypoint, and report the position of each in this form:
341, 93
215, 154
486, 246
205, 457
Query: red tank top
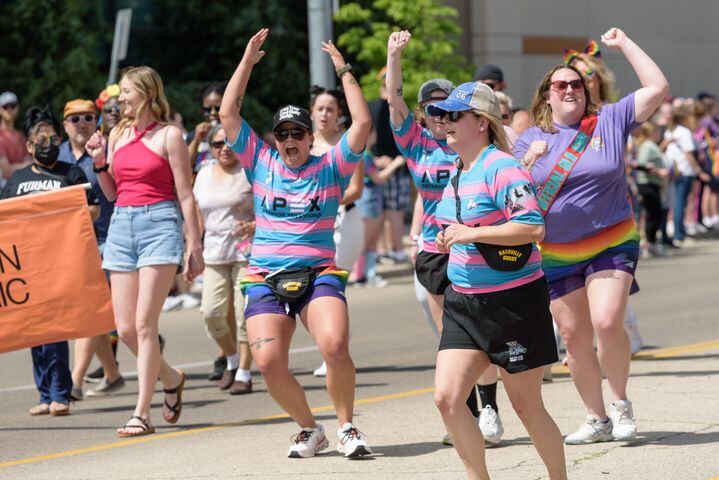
142, 176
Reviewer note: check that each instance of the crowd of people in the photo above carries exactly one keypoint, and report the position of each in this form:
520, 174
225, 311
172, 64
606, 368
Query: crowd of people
526, 229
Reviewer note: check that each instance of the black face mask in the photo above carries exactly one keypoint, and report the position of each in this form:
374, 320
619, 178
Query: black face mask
47, 155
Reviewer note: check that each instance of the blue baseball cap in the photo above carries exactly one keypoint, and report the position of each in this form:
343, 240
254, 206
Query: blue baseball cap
469, 96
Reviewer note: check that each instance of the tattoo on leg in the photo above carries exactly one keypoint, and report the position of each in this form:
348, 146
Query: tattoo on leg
238, 102
399, 92
257, 344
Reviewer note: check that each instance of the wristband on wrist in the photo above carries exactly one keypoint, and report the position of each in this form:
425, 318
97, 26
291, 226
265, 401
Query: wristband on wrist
97, 169
342, 70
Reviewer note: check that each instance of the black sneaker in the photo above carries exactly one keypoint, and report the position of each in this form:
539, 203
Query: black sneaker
95, 376
220, 367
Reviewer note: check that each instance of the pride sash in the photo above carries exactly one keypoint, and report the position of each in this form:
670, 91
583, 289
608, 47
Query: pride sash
566, 163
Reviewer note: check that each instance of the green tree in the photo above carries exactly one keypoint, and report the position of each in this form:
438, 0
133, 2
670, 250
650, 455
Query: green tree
364, 28
48, 54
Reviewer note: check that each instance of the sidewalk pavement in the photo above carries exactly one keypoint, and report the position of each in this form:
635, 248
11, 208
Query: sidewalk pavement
674, 391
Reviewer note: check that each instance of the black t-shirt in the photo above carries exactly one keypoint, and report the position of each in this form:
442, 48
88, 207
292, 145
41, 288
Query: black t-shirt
36, 179
379, 109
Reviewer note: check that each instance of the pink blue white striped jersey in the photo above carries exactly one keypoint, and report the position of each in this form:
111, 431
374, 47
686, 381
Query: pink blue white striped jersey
295, 208
431, 162
496, 190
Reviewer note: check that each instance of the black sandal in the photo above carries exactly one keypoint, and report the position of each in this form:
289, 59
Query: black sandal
175, 409
145, 429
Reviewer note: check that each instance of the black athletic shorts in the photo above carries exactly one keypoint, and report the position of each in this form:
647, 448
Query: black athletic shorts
431, 271
513, 327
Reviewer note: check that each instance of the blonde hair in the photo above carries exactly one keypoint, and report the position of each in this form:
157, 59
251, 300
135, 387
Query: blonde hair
540, 112
607, 89
497, 134
504, 99
149, 84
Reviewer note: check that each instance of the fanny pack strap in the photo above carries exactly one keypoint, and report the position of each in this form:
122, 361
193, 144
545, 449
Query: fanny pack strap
566, 163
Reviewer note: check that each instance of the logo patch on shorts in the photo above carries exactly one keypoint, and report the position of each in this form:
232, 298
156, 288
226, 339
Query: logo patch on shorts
516, 352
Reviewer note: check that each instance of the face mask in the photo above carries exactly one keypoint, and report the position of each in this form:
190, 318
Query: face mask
47, 155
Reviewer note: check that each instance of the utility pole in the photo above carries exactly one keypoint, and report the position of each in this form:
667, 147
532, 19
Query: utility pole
319, 21
119, 42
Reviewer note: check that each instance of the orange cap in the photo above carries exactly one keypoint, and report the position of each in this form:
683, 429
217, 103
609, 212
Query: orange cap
73, 107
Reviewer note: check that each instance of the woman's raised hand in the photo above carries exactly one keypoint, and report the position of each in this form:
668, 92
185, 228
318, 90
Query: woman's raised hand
397, 41
614, 38
337, 59
95, 147
253, 52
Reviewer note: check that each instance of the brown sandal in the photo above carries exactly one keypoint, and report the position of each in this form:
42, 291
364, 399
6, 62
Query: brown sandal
145, 429
59, 409
175, 409
40, 409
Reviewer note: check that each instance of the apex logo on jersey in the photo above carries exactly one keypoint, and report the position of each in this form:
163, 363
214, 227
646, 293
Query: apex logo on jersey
283, 207
516, 351
438, 182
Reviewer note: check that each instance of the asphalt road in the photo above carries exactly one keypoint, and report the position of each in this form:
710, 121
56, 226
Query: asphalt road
394, 351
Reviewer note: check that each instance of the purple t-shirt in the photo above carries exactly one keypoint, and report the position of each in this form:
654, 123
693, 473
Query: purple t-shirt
594, 197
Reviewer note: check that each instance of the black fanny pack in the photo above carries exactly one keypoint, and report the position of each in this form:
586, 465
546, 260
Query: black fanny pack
505, 258
290, 284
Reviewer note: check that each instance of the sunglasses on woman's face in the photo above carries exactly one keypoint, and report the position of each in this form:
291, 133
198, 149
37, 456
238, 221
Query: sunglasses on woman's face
210, 110
111, 110
218, 144
433, 111
560, 86
84, 118
297, 134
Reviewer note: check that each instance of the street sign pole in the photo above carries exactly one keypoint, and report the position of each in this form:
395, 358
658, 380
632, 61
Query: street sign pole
319, 19
119, 42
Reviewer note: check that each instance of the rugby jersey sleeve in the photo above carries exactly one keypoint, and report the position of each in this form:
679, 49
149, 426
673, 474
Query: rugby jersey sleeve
247, 147
344, 160
512, 191
407, 136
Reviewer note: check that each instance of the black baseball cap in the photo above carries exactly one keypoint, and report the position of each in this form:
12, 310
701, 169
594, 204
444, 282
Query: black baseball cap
489, 72
294, 114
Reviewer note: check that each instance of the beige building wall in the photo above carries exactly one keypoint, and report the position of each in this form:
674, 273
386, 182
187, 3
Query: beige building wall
525, 38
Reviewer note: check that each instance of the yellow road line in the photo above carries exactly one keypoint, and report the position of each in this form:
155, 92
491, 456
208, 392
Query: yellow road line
644, 355
192, 431
656, 353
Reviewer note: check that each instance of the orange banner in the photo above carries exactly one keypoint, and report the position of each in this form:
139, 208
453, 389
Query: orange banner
52, 286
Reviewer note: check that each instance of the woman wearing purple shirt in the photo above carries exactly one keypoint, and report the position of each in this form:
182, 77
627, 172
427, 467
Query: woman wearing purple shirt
591, 246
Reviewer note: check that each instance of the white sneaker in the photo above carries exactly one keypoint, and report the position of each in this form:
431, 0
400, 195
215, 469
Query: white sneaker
352, 442
172, 303
376, 282
491, 426
592, 430
622, 415
189, 301
321, 371
308, 442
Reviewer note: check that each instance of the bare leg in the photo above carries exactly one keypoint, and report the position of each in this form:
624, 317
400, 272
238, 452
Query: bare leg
525, 393
608, 292
327, 320
270, 336
107, 359
457, 371
245, 356
84, 349
571, 312
436, 306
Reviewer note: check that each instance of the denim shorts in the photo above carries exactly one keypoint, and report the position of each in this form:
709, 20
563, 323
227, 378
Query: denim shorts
143, 236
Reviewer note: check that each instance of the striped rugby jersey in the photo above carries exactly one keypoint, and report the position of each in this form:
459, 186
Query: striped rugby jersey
295, 208
431, 163
495, 191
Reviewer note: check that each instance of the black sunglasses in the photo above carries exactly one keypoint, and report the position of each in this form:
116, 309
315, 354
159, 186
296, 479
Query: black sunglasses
77, 118
434, 111
9, 106
41, 142
111, 110
218, 144
297, 134
210, 110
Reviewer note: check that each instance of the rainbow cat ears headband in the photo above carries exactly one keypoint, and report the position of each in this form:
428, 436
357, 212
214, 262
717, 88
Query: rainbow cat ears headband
592, 49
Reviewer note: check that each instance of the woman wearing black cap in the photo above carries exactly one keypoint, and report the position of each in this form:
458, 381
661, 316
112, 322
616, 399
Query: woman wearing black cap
292, 264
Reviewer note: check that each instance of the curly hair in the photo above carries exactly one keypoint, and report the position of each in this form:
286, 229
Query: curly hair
36, 116
540, 112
